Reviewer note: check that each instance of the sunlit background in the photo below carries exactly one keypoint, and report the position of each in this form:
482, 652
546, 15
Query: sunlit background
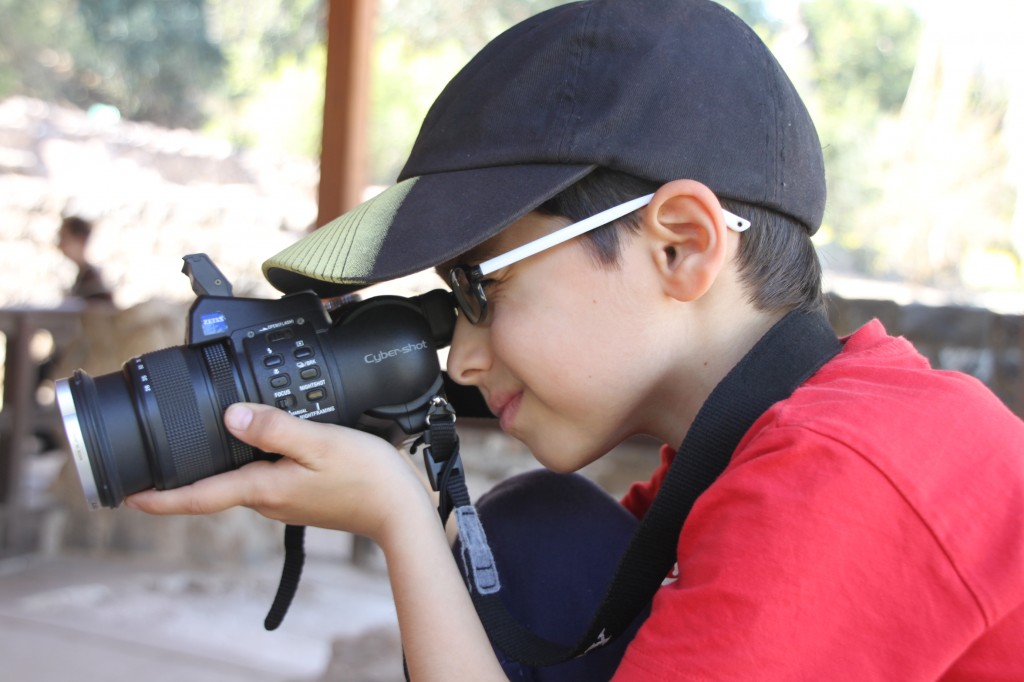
918, 105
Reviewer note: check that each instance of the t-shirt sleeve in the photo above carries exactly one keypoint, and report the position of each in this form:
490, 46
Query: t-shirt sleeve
803, 562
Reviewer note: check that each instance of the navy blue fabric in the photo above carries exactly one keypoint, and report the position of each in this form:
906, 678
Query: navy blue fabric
557, 539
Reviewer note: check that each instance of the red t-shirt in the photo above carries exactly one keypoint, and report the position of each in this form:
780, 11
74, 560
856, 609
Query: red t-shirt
870, 527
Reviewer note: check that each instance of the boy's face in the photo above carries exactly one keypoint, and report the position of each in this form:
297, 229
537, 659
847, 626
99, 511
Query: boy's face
570, 358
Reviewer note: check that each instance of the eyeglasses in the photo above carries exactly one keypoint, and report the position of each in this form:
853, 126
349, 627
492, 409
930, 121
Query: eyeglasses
467, 281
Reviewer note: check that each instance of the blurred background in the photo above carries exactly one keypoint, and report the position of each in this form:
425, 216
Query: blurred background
233, 128
168, 113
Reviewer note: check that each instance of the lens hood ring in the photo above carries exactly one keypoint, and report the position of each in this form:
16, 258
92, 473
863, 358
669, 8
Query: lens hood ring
76, 441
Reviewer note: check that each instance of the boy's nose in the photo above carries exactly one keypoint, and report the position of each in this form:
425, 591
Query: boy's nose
469, 355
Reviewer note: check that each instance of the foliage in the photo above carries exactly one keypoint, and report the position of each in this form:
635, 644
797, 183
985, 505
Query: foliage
755, 14
405, 82
864, 49
257, 38
273, 90
862, 55
252, 72
171, 63
427, 24
151, 60
37, 41
915, 144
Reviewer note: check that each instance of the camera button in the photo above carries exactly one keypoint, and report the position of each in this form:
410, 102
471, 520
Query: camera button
279, 335
286, 402
303, 353
280, 380
309, 373
273, 361
314, 395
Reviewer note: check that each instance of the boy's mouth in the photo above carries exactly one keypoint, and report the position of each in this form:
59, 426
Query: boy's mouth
505, 408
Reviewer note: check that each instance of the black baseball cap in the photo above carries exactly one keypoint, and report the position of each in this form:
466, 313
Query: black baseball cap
660, 89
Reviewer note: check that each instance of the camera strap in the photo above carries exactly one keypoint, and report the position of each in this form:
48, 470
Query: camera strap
291, 573
794, 349
444, 468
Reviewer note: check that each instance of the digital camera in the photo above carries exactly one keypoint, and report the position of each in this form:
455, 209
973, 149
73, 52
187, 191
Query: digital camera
159, 421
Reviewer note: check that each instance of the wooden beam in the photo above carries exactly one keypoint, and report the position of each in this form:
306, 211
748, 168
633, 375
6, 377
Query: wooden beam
346, 105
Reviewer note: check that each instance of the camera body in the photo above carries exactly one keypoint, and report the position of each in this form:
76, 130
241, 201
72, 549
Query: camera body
379, 357
159, 422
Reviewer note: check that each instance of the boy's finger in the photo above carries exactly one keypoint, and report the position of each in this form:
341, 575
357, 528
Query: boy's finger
206, 496
275, 431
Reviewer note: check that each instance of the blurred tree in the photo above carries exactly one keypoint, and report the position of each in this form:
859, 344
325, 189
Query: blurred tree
253, 73
152, 60
38, 45
946, 162
430, 23
862, 59
756, 14
273, 91
915, 113
862, 48
257, 37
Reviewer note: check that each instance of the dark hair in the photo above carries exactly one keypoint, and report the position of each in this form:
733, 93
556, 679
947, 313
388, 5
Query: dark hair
777, 262
79, 228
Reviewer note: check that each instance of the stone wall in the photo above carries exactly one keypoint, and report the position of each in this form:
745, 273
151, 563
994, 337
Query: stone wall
976, 341
154, 195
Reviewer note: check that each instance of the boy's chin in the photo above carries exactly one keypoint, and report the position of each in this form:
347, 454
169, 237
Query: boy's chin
565, 459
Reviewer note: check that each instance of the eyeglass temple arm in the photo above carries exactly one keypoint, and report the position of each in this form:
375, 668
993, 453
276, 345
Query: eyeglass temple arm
568, 232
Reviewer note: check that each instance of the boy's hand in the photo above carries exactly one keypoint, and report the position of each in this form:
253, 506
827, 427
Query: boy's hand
329, 476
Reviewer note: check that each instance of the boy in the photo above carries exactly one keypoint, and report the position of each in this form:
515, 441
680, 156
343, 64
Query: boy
867, 527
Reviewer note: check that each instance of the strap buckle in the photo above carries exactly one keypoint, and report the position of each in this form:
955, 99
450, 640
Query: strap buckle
440, 444
440, 408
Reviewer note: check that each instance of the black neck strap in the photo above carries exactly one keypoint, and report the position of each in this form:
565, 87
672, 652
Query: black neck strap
792, 350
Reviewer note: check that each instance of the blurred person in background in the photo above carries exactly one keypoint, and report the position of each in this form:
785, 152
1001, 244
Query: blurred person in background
73, 240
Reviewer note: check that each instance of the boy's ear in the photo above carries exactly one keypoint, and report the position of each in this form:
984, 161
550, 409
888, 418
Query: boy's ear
688, 239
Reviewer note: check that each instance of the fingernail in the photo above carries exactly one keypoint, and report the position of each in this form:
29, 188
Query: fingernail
238, 417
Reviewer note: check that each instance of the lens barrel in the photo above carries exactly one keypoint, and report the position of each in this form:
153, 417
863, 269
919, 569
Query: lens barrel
167, 405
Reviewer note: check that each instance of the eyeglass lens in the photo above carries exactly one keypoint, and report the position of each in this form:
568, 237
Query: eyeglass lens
466, 295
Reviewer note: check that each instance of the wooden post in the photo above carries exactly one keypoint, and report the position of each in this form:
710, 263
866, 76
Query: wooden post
18, 393
346, 105
21, 416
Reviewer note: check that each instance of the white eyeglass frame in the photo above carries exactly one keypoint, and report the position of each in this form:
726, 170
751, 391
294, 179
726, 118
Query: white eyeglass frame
732, 221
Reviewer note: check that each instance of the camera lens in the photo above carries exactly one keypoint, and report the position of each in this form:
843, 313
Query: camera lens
157, 423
